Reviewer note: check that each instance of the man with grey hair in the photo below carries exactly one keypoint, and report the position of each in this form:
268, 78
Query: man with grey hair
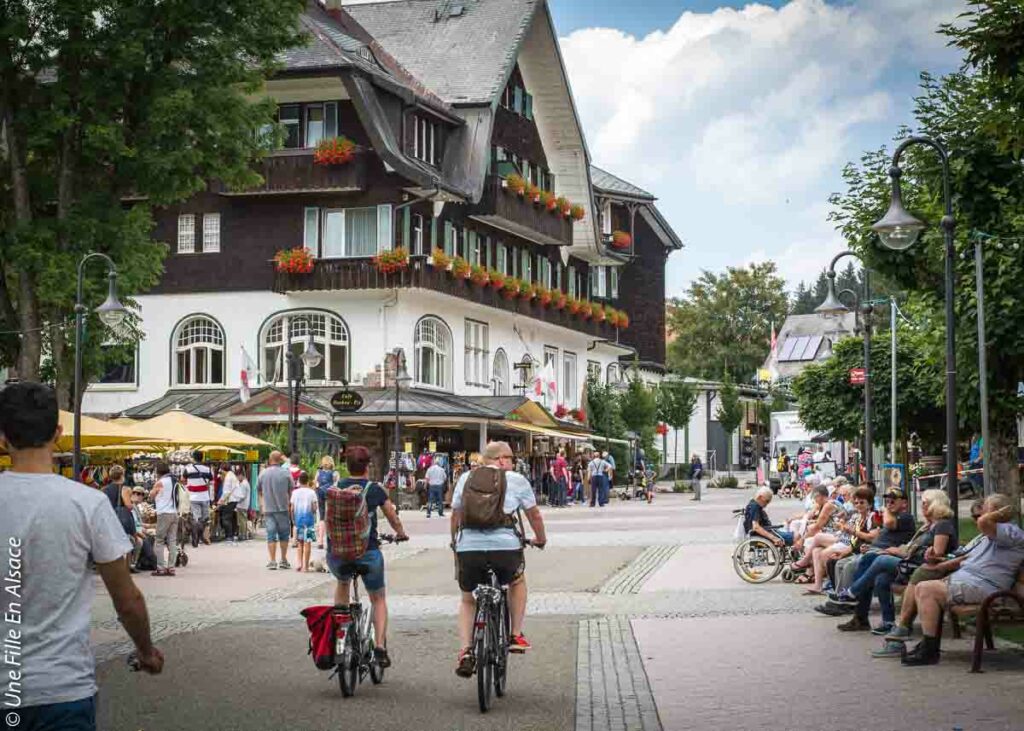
274, 487
992, 566
756, 522
499, 549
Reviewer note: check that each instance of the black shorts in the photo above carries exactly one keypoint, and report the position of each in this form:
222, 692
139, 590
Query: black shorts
473, 565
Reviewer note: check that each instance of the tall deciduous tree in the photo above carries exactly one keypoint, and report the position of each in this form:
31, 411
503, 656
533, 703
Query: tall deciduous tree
105, 101
603, 408
676, 403
730, 414
723, 322
975, 112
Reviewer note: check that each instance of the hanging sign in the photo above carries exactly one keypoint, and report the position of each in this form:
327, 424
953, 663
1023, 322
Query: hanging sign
346, 401
857, 377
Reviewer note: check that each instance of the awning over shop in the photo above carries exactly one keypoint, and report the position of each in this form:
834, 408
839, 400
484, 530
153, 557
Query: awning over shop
97, 433
542, 431
183, 429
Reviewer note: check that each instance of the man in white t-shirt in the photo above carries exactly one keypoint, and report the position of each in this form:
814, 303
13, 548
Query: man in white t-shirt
436, 478
52, 530
499, 549
164, 499
198, 481
303, 510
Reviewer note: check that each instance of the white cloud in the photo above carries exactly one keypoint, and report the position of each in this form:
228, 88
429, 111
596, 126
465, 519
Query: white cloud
752, 112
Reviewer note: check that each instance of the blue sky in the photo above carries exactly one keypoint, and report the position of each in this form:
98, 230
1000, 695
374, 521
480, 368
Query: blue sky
739, 117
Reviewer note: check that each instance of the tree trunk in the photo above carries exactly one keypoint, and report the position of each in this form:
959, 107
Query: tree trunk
1004, 475
64, 372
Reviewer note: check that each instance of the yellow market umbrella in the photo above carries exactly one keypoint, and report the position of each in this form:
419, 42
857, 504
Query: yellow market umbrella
96, 433
181, 428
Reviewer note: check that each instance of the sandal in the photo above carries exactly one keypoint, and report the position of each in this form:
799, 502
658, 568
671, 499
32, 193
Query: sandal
803, 579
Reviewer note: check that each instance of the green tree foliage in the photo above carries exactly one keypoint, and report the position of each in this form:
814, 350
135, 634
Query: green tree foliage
603, 409
828, 402
677, 400
975, 112
638, 406
723, 322
101, 103
806, 299
730, 413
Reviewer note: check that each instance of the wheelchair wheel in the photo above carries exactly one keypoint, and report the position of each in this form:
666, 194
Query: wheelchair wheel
756, 560
787, 575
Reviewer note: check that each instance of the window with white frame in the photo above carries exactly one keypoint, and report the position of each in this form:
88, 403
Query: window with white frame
432, 343
478, 353
337, 233
500, 374
594, 370
211, 233
289, 116
570, 391
503, 259
573, 292
614, 373
119, 365
613, 284
417, 234
291, 331
606, 218
550, 388
526, 266
425, 140
199, 352
187, 233
598, 281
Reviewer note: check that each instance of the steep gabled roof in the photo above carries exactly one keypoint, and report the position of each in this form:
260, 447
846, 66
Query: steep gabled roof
605, 182
466, 56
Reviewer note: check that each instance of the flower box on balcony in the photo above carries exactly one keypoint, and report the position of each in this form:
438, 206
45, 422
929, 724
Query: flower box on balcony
526, 290
577, 212
334, 151
621, 240
510, 290
479, 275
544, 296
560, 301
460, 268
439, 259
496, 279
515, 183
597, 312
389, 262
294, 261
561, 411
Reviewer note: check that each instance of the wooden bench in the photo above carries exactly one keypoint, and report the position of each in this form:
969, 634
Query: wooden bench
998, 606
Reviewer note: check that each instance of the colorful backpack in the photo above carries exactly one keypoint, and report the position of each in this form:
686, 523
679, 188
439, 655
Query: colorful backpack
348, 522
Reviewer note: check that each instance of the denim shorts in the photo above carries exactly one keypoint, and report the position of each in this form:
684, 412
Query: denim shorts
279, 527
373, 560
305, 533
70, 716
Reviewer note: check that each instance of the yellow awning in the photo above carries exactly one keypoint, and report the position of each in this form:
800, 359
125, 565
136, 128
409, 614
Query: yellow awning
544, 431
98, 433
181, 428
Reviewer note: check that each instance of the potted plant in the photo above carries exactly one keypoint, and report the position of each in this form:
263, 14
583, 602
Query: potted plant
510, 289
579, 415
575, 306
597, 312
586, 310
516, 183
389, 262
544, 296
439, 259
532, 193
612, 317
561, 299
496, 278
294, 261
621, 240
561, 411
460, 268
562, 205
526, 290
478, 275
623, 320
547, 199
576, 212
334, 151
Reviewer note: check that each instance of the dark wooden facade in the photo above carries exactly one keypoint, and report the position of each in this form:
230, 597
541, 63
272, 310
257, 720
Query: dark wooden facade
642, 293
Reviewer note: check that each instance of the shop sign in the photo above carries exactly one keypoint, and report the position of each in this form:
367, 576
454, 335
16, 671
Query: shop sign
857, 377
346, 401
252, 455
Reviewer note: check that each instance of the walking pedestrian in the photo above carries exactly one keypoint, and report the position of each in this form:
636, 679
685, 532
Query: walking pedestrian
198, 479
437, 480
597, 470
230, 495
303, 509
164, 496
244, 494
274, 487
560, 477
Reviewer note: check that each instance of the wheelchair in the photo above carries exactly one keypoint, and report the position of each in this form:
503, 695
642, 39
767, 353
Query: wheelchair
757, 560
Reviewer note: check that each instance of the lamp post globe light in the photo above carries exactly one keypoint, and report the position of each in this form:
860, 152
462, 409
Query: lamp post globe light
297, 366
832, 305
111, 313
898, 230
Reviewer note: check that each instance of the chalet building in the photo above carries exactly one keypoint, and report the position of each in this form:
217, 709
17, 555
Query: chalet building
442, 112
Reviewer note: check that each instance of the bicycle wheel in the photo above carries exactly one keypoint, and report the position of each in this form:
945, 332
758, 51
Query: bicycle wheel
756, 560
348, 669
501, 651
376, 671
484, 666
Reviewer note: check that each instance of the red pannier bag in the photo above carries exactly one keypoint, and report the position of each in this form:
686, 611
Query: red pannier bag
320, 621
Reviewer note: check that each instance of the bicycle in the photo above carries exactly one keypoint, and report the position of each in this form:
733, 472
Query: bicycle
355, 639
492, 631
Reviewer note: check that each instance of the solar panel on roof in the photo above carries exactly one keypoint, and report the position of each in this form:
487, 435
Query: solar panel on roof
811, 349
787, 349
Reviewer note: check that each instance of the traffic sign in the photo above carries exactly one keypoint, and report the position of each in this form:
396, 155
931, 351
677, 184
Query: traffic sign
857, 376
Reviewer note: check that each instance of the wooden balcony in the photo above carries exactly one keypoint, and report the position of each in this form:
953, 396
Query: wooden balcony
505, 210
360, 274
293, 171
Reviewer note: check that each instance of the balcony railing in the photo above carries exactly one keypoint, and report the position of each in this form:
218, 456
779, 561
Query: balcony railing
293, 171
518, 215
361, 274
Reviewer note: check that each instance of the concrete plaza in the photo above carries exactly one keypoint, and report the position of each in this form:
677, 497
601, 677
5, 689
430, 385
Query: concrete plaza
637, 620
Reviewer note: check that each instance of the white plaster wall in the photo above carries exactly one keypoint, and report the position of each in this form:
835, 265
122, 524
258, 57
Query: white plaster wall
698, 434
377, 323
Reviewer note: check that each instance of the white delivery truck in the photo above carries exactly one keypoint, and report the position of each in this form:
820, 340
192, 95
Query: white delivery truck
789, 433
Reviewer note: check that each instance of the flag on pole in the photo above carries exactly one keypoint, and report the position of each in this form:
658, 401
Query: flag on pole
247, 376
774, 341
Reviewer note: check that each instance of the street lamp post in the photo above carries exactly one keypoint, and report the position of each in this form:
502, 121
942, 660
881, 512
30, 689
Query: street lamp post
898, 230
402, 379
297, 365
111, 314
832, 306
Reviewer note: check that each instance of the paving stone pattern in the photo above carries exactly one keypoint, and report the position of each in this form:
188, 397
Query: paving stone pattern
632, 577
612, 692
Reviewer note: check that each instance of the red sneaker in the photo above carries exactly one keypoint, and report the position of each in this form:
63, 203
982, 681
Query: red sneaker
518, 644
467, 664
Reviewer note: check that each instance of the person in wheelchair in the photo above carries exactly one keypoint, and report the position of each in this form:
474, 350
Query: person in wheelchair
756, 521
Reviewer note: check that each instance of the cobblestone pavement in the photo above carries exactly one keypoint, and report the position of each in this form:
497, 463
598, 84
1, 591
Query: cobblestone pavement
652, 627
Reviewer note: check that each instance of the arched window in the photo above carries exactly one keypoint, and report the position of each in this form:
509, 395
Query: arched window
500, 374
433, 345
330, 337
199, 352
